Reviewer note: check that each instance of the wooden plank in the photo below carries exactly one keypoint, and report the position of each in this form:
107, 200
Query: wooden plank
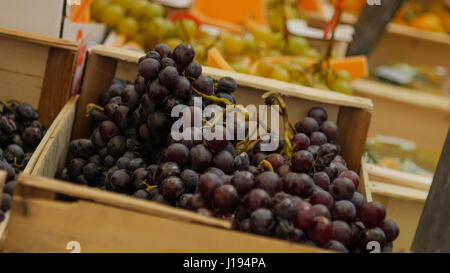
256, 82
399, 178
375, 18
434, 226
38, 39
364, 181
3, 176
98, 74
101, 228
353, 126
397, 192
22, 57
48, 157
421, 34
20, 87
115, 200
57, 83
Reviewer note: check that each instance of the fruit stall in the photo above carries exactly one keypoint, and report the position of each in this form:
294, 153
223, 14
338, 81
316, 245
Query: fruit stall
281, 126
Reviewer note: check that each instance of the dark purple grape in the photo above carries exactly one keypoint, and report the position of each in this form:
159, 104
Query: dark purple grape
243, 181
190, 179
121, 182
156, 91
359, 201
116, 146
136, 164
307, 126
201, 158
141, 194
313, 149
108, 130
204, 84
321, 210
319, 114
130, 97
215, 171
336, 246
374, 235
283, 228
163, 50
197, 202
165, 170
166, 62
185, 200
342, 188
123, 163
177, 153
8, 125
26, 112
318, 138
207, 185
9, 187
91, 172
14, 154
255, 199
182, 88
269, 181
342, 232
302, 185
227, 85
193, 70
141, 175
372, 214
322, 197
322, 180
300, 142
302, 161
344, 210
183, 54
228, 97
109, 161
122, 116
157, 122
276, 160
149, 68
6, 201
285, 208
226, 198
218, 139
330, 129
158, 198
262, 221
390, 229
258, 157
321, 231
283, 170
353, 176
75, 166
305, 215
31, 135
224, 160
172, 188
169, 76
139, 85
110, 109
154, 55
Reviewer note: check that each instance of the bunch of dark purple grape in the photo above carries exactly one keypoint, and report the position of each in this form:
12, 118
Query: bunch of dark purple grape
20, 133
310, 198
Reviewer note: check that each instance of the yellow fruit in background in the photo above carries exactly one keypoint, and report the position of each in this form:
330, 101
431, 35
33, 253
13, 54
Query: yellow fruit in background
185, 29
280, 74
138, 38
112, 15
341, 86
126, 4
128, 26
97, 7
173, 42
262, 34
232, 43
311, 53
428, 21
137, 8
241, 67
297, 45
153, 10
264, 69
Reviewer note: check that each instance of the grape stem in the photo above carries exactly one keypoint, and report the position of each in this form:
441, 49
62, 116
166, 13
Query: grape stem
8, 106
92, 106
185, 32
148, 188
265, 165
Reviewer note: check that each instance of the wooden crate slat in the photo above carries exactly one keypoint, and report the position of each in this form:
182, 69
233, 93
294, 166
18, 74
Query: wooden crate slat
20, 87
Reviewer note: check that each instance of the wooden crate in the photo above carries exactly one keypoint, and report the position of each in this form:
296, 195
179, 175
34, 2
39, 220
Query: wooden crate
37, 70
403, 196
106, 221
414, 46
409, 114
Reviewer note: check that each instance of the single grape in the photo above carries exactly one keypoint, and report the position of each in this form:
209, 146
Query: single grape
204, 84
285, 208
372, 214
226, 198
330, 129
359, 201
201, 158
121, 181
227, 85
207, 185
262, 221
224, 160
324, 198
321, 230
374, 235
336, 246
300, 142
318, 138
342, 189
268, 181
344, 210
171, 188
183, 54
390, 229
302, 161
319, 114
342, 232
190, 179
182, 88
321, 210
243, 182
350, 175
307, 126
255, 199
177, 153
322, 180
305, 215
193, 70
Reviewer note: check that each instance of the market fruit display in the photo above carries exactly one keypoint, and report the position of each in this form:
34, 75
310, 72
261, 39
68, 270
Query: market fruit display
432, 15
302, 191
20, 134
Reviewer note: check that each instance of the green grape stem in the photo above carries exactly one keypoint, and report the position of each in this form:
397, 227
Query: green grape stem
92, 106
265, 165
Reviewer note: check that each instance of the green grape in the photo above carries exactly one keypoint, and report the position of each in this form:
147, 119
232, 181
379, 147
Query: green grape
311, 53
291, 13
264, 69
128, 26
153, 10
173, 42
262, 34
233, 44
97, 7
125, 4
240, 67
200, 51
190, 28
137, 8
277, 40
284, 64
272, 53
274, 19
166, 27
138, 38
249, 41
297, 45
343, 75
341, 86
280, 74
112, 15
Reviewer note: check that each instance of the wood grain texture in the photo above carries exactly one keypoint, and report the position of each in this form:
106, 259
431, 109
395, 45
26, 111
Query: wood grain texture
57, 83
434, 226
353, 127
101, 228
38, 39
364, 182
399, 178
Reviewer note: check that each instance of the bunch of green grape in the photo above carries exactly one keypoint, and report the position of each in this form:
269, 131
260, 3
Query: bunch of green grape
280, 10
